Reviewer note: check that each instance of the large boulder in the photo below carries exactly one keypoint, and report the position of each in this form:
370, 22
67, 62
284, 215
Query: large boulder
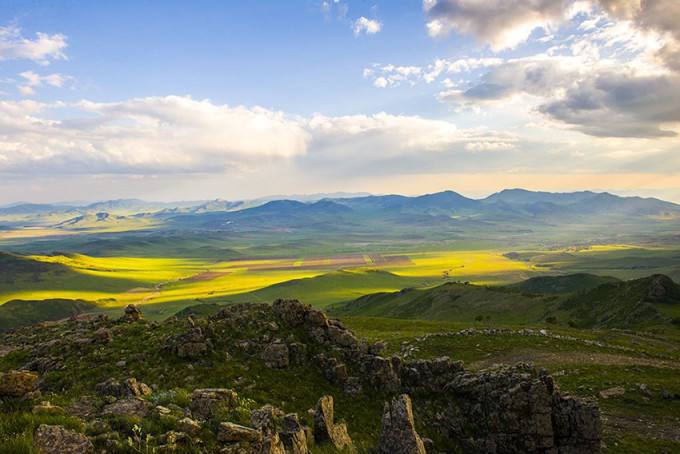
292, 312
325, 428
17, 383
59, 440
206, 402
398, 434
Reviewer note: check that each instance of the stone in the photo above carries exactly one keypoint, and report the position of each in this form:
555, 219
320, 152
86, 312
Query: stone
129, 406
292, 312
205, 402
128, 388
17, 383
235, 433
612, 392
132, 314
103, 335
293, 435
325, 428
189, 426
276, 356
264, 419
398, 434
342, 337
58, 440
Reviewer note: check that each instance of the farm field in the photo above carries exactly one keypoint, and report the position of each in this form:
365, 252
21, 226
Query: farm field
168, 284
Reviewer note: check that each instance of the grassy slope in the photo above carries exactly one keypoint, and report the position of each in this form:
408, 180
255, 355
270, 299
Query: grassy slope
562, 284
18, 313
334, 287
451, 302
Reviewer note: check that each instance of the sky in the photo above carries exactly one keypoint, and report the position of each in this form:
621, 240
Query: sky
178, 100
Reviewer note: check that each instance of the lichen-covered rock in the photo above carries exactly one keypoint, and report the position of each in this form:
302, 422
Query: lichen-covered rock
132, 314
398, 434
189, 426
129, 406
293, 435
234, 433
276, 355
325, 428
17, 383
58, 440
264, 419
205, 402
292, 312
128, 388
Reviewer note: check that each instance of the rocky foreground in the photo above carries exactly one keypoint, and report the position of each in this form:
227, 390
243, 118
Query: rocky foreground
80, 384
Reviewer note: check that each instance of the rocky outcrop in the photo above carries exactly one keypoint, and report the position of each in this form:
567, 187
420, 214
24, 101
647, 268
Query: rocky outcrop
515, 410
132, 314
325, 428
398, 434
59, 440
129, 406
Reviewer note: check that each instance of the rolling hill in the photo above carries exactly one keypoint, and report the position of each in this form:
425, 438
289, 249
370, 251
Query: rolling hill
639, 303
18, 313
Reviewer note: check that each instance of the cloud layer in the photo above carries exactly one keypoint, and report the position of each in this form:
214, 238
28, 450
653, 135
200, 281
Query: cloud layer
180, 134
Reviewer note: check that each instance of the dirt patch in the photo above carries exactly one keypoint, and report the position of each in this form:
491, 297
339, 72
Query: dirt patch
658, 428
573, 358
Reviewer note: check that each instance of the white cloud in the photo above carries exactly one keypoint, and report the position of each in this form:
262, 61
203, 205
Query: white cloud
33, 80
42, 49
176, 134
367, 26
501, 23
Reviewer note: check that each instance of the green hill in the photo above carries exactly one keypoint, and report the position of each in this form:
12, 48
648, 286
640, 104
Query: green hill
334, 287
637, 303
562, 284
18, 313
450, 302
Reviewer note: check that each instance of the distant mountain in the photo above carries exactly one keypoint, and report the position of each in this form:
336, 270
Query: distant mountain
33, 208
279, 214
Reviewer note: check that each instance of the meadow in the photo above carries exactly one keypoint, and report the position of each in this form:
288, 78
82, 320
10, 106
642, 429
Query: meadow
167, 284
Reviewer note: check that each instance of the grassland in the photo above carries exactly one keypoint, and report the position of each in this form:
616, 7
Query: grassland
167, 284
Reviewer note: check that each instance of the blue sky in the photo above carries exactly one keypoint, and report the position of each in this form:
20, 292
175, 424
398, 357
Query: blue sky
188, 100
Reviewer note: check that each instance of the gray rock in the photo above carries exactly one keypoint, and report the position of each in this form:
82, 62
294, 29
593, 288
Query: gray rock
325, 428
398, 434
58, 440
276, 356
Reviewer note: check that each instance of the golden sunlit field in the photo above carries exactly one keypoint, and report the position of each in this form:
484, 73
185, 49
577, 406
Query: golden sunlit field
118, 281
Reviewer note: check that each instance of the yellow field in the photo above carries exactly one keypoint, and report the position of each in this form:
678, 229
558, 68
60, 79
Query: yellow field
158, 280
476, 266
